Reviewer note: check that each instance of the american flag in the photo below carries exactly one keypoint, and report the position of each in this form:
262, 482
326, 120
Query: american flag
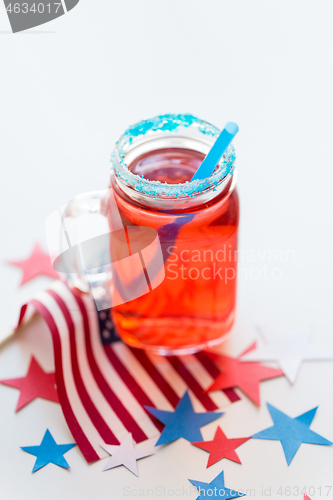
103, 384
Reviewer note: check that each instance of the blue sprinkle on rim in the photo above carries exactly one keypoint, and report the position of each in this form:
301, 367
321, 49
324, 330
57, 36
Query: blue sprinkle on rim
163, 125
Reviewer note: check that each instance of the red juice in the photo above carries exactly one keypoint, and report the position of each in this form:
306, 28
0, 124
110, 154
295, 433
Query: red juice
194, 307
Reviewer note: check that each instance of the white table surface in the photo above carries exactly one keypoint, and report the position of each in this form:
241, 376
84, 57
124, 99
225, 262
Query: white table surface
68, 89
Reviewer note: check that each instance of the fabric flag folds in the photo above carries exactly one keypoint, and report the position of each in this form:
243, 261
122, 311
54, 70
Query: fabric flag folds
103, 384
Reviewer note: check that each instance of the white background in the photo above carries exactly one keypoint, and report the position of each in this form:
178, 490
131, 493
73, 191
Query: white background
67, 91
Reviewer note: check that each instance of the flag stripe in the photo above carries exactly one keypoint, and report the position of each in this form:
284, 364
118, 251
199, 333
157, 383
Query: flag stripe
231, 395
151, 369
87, 449
193, 385
125, 417
203, 378
103, 388
22, 314
120, 388
74, 399
170, 375
129, 380
214, 372
146, 382
95, 393
93, 413
207, 363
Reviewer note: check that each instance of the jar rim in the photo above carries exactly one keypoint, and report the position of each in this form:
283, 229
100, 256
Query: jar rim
182, 129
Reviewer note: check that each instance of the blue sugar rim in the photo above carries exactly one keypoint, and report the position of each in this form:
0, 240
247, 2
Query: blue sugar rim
170, 123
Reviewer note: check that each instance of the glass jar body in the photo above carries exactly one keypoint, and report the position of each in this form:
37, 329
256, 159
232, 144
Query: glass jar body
194, 307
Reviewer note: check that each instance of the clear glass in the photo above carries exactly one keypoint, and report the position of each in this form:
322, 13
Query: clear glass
197, 225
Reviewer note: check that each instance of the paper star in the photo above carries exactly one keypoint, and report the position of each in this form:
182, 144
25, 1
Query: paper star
291, 432
215, 489
287, 349
49, 452
246, 376
306, 497
221, 447
39, 263
125, 454
183, 422
36, 384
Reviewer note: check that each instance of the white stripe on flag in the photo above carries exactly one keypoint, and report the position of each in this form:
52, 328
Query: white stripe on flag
204, 379
143, 379
97, 397
114, 380
78, 409
169, 373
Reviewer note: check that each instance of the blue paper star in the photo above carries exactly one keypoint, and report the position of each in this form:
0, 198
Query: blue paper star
216, 489
292, 432
183, 422
49, 452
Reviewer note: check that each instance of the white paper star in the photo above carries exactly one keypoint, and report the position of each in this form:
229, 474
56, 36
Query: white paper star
125, 454
288, 349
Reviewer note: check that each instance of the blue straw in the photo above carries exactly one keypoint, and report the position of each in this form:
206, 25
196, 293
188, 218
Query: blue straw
209, 164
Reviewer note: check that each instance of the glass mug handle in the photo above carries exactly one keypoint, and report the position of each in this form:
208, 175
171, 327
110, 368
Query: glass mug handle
78, 239
98, 254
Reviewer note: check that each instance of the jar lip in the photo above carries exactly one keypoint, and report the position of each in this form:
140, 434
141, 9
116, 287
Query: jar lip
180, 127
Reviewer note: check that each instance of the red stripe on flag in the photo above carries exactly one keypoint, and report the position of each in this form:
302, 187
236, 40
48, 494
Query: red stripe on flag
79, 436
159, 380
22, 313
132, 384
231, 395
192, 384
124, 416
94, 415
213, 371
208, 364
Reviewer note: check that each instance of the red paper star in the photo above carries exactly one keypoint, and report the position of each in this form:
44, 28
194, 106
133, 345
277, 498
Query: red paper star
36, 384
306, 497
39, 263
221, 447
244, 375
